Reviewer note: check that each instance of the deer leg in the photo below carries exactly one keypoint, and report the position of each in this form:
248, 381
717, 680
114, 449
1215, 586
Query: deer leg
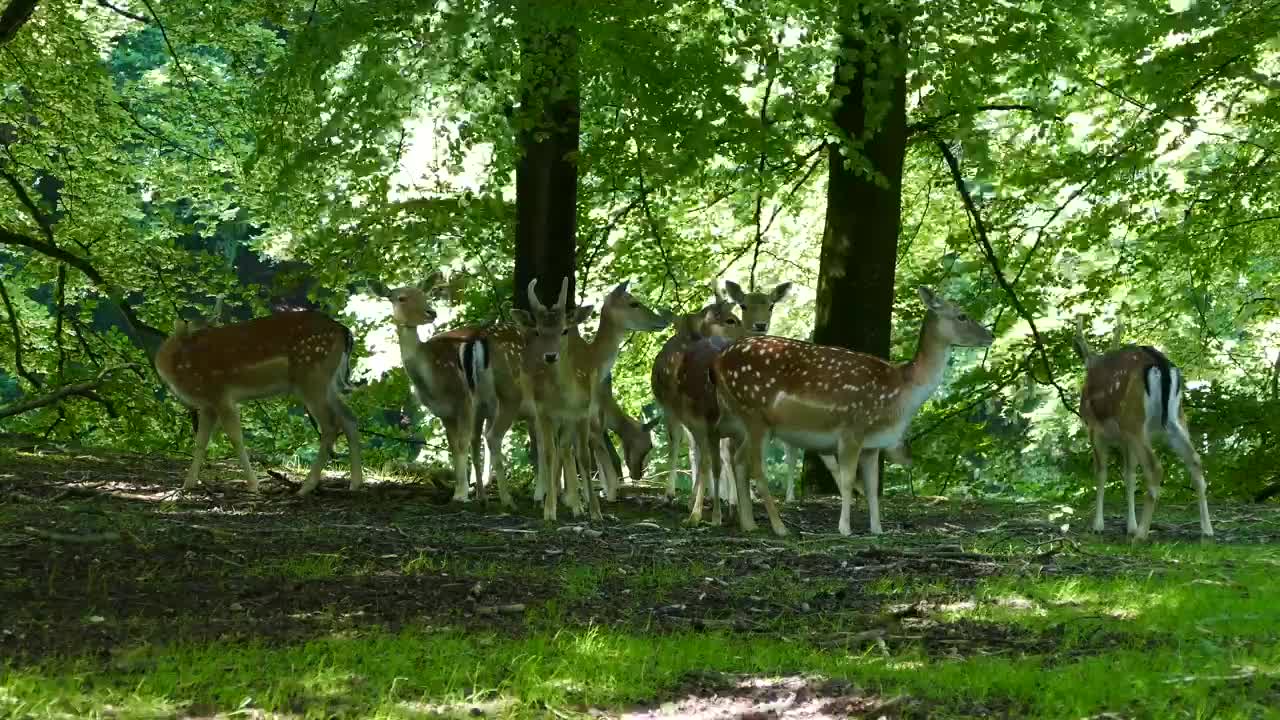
567, 442
869, 466
845, 470
1100, 473
547, 468
1155, 478
457, 430
325, 420
742, 476
1180, 441
207, 421
351, 431
700, 464
498, 427
1130, 488
762, 485
478, 468
674, 436
728, 486
584, 436
793, 464
717, 468
230, 417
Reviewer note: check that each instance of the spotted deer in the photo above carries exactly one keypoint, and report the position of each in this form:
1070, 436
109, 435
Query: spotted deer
567, 396
451, 376
681, 387
305, 353
1131, 394
833, 401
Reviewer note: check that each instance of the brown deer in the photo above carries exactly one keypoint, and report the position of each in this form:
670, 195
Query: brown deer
682, 390
832, 401
568, 395
450, 374
214, 369
1130, 394
636, 436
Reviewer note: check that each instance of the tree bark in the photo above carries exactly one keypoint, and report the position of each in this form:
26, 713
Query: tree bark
15, 15
860, 239
547, 172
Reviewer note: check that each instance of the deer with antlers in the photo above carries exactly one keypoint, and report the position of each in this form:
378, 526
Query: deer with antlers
834, 401
567, 378
1131, 394
452, 377
214, 369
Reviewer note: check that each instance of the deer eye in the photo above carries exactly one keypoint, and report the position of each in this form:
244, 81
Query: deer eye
963, 317
564, 331
635, 304
731, 321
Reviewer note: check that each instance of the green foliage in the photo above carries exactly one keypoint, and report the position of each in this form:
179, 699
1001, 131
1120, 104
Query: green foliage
1122, 158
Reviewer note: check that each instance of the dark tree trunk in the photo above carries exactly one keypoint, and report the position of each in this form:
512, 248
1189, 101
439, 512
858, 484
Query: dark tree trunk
860, 241
547, 172
14, 16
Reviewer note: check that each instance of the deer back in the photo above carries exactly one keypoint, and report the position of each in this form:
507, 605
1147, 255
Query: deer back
1118, 383
256, 358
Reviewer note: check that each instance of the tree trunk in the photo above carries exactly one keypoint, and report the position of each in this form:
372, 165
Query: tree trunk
547, 172
860, 240
14, 16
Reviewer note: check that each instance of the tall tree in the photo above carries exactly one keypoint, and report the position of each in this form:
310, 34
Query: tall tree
864, 193
547, 128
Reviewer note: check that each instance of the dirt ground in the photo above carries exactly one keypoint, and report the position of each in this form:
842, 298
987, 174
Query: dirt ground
99, 554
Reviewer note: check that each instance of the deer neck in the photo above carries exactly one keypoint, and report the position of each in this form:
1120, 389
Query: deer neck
924, 373
603, 349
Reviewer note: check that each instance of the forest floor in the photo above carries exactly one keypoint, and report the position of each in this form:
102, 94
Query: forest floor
120, 598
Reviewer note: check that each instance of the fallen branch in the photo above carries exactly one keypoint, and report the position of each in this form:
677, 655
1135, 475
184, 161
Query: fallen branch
79, 388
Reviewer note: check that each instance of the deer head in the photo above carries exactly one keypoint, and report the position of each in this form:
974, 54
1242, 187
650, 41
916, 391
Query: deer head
952, 324
547, 328
757, 307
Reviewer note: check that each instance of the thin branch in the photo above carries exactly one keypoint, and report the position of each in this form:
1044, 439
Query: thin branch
312, 15
159, 136
657, 236
60, 297
804, 179
930, 124
121, 11
990, 253
17, 340
764, 158
25, 198
602, 237
8, 237
74, 389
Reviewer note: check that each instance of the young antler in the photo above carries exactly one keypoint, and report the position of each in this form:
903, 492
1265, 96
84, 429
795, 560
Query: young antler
832, 401
214, 369
1129, 395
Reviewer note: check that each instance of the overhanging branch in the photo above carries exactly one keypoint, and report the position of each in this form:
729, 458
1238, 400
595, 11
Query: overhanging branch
930, 124
989, 252
84, 388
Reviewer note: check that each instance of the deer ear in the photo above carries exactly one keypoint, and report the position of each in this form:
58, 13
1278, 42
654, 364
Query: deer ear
430, 282
929, 297
735, 292
781, 291
581, 314
622, 287
377, 288
523, 318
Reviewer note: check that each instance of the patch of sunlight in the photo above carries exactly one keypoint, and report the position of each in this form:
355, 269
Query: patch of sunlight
904, 665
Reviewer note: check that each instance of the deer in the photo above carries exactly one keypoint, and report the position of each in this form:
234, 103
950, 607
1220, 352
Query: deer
451, 375
568, 396
840, 403
305, 353
1131, 394
757, 315
688, 402
636, 436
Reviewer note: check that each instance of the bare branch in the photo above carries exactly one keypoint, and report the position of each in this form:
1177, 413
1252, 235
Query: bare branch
25, 198
17, 339
121, 11
79, 388
990, 253
765, 122
930, 124
657, 236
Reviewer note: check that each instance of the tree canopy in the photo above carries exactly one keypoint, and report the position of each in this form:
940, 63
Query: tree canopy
1111, 159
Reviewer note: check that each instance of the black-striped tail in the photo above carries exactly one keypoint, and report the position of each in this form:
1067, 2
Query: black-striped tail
475, 360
